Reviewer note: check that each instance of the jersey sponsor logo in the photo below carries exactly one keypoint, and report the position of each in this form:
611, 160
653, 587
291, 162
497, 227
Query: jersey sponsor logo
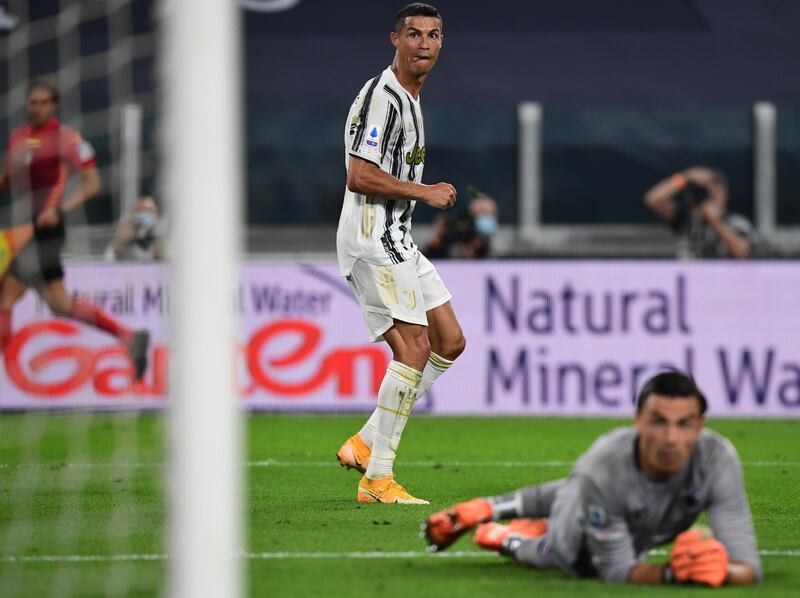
374, 135
416, 155
597, 516
607, 535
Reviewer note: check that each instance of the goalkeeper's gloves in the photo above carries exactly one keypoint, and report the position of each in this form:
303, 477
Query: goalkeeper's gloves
698, 559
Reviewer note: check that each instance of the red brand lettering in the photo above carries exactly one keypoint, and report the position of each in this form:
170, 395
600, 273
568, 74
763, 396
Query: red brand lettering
107, 368
338, 365
109, 373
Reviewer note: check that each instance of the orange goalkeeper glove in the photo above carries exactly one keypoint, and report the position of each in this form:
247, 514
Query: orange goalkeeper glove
698, 559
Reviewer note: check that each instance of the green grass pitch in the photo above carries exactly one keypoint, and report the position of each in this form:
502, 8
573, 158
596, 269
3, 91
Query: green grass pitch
78, 486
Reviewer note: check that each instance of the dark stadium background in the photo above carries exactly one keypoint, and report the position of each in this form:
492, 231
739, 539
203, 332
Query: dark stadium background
630, 91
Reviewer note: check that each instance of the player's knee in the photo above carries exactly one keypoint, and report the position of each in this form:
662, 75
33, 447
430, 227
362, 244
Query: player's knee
421, 348
454, 346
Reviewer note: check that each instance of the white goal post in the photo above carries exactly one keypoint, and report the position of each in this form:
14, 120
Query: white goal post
200, 145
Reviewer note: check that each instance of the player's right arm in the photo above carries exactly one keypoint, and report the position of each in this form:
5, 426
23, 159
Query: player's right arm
364, 177
730, 519
607, 534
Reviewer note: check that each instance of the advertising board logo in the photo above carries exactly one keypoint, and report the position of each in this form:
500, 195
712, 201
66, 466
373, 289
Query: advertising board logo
60, 369
338, 365
47, 360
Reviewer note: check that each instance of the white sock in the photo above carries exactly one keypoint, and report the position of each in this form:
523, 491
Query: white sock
435, 367
396, 398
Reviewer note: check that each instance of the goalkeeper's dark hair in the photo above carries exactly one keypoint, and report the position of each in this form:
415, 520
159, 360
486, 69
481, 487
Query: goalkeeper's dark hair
671, 384
415, 9
44, 83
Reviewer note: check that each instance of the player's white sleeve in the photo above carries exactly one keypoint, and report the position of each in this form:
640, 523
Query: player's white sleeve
607, 534
375, 123
728, 511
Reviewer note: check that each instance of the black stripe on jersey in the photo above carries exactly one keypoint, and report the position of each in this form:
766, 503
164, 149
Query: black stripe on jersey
386, 238
391, 119
363, 114
397, 155
412, 174
396, 97
403, 224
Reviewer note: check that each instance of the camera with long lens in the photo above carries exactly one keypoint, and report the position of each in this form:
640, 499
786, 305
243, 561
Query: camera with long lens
692, 195
695, 194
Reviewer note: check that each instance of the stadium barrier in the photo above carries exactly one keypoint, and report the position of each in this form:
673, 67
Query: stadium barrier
543, 338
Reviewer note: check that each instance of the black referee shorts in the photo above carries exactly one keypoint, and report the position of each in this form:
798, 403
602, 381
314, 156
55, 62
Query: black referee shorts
40, 260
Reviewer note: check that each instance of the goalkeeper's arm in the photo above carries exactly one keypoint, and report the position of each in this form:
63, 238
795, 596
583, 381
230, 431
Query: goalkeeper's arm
696, 558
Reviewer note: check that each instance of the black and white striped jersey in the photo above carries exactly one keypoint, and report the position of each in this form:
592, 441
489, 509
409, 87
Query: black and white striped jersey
384, 127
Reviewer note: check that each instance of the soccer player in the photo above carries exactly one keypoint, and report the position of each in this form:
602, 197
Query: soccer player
402, 297
39, 157
634, 489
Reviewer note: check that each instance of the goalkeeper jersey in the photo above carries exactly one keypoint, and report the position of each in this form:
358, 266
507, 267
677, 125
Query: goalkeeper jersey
384, 127
608, 514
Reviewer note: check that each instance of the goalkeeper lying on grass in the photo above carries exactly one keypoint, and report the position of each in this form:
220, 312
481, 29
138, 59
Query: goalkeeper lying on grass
634, 489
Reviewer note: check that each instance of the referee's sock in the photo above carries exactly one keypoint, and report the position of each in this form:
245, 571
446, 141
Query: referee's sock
5, 328
95, 316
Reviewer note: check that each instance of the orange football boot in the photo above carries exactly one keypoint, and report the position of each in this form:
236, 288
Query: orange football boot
354, 454
386, 491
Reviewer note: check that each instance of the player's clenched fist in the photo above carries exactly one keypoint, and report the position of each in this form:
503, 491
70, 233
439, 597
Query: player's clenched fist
698, 559
440, 195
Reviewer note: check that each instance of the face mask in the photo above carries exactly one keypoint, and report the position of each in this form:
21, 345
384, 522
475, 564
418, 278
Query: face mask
144, 224
486, 225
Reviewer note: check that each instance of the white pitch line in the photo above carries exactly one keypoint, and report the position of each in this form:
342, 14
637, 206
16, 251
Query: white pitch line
270, 556
331, 463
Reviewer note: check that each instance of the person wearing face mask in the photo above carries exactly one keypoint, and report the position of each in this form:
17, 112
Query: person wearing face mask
469, 235
139, 235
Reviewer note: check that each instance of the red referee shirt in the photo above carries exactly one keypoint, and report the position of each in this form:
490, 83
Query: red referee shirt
38, 161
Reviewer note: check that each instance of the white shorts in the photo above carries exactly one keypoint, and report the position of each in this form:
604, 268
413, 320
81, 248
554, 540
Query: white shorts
404, 291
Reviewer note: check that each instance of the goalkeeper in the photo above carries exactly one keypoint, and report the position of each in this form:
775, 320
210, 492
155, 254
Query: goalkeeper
634, 489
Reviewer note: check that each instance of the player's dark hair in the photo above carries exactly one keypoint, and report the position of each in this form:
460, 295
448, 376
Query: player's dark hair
47, 84
415, 9
672, 384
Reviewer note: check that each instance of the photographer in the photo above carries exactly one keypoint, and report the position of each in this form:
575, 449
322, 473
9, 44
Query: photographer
467, 236
694, 203
139, 235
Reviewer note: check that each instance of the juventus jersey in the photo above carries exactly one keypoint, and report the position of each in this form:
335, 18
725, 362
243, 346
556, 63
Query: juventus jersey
384, 127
